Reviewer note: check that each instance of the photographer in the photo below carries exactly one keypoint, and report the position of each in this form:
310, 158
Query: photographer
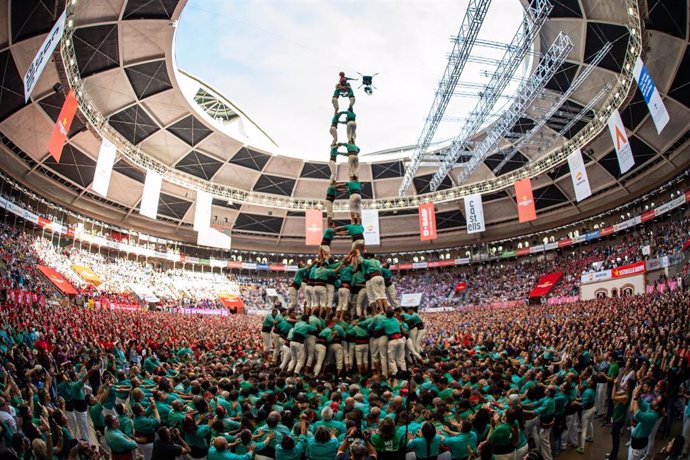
169, 445
355, 447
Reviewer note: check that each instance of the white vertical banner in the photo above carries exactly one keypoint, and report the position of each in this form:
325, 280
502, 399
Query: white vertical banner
202, 214
474, 213
651, 96
578, 174
370, 222
152, 193
621, 142
45, 52
104, 168
213, 238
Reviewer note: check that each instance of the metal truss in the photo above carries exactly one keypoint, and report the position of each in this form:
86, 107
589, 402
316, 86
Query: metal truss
536, 16
552, 112
616, 96
462, 45
547, 68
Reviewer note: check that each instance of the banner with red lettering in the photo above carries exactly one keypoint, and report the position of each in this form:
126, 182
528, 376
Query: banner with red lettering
628, 270
61, 283
313, 227
545, 284
461, 286
525, 200
231, 301
61, 129
427, 222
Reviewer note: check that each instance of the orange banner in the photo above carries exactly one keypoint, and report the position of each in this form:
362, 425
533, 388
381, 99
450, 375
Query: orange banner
231, 301
427, 222
61, 129
61, 283
87, 274
313, 228
525, 200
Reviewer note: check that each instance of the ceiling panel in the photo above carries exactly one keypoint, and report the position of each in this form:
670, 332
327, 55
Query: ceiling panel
388, 170
315, 171
148, 78
33, 17
133, 123
275, 184
110, 90
150, 9
258, 223
74, 165
190, 129
250, 159
199, 165
173, 206
96, 48
11, 86
598, 33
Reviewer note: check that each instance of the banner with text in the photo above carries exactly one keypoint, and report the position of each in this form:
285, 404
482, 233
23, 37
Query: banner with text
313, 227
54, 277
370, 222
621, 142
44, 54
152, 192
474, 213
104, 168
87, 274
545, 284
651, 96
578, 174
525, 200
62, 125
427, 222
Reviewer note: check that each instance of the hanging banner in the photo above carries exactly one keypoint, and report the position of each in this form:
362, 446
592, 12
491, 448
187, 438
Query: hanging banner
313, 227
651, 96
202, 212
43, 56
104, 168
231, 301
578, 174
427, 222
212, 238
474, 213
545, 284
411, 300
61, 283
370, 222
628, 270
152, 192
62, 125
620, 142
525, 200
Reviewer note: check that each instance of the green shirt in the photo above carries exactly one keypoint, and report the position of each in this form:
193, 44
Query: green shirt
214, 454
323, 273
331, 192
300, 275
500, 437
646, 419
461, 444
126, 425
118, 442
144, 425
389, 326
424, 449
352, 149
385, 445
96, 413
588, 398
328, 235
355, 230
354, 186
199, 439
320, 450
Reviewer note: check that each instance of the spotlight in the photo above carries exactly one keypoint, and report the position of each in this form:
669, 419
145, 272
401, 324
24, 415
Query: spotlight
58, 87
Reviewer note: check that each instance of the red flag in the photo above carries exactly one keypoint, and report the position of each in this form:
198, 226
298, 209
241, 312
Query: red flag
313, 228
461, 286
525, 200
57, 139
545, 284
427, 222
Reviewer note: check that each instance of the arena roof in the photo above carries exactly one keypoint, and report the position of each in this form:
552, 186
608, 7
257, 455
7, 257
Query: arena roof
124, 51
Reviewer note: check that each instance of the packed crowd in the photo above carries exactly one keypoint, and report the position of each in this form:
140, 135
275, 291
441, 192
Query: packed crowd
489, 383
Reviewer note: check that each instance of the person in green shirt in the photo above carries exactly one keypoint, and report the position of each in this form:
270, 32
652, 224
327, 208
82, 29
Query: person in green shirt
321, 276
126, 424
266, 328
645, 419
322, 341
219, 451
351, 124
343, 91
145, 427
334, 128
386, 440
331, 192
390, 285
587, 402
120, 445
503, 437
359, 336
464, 443
299, 334
352, 159
297, 284
326, 239
344, 292
426, 443
621, 402
354, 190
391, 344
96, 407
197, 436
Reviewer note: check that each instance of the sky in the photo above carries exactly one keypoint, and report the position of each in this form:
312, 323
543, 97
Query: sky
278, 60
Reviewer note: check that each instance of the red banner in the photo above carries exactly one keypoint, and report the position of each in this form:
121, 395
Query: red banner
61, 283
276, 267
231, 301
525, 200
606, 231
461, 286
61, 129
313, 228
427, 222
565, 242
404, 266
628, 270
545, 284
441, 263
522, 252
649, 215
234, 264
